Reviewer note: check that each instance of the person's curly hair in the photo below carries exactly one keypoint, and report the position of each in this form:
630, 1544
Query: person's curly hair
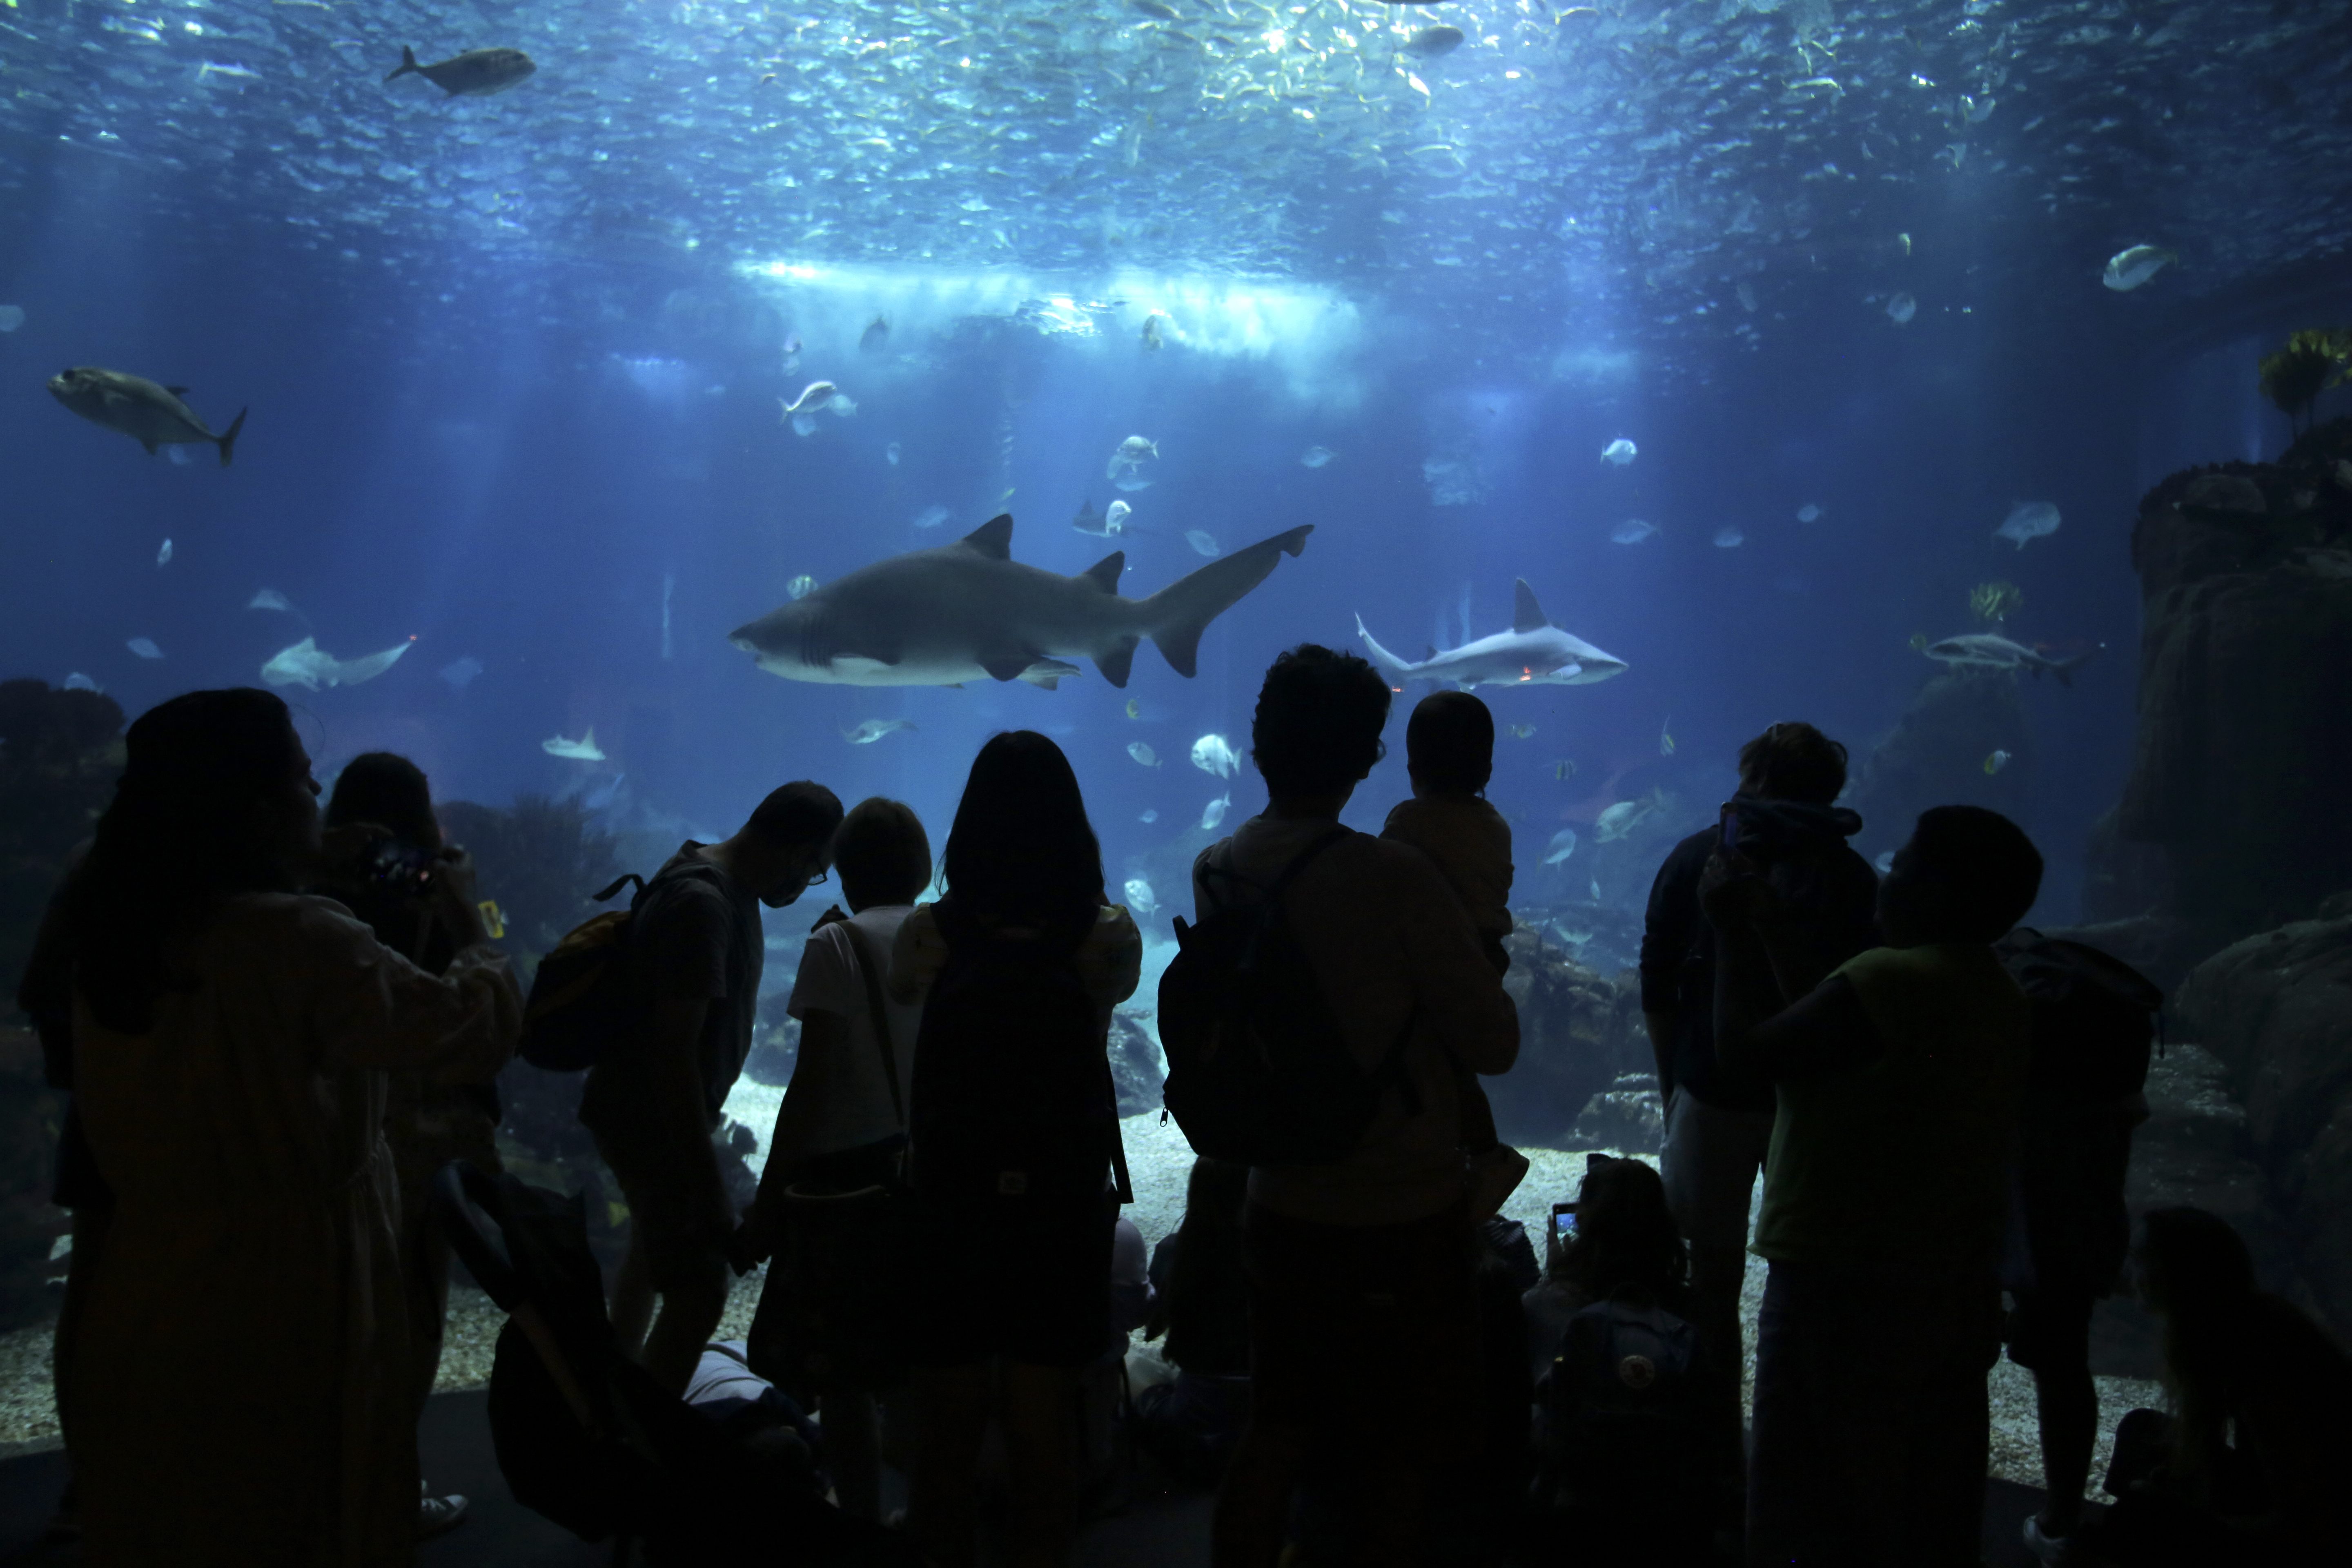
1319, 721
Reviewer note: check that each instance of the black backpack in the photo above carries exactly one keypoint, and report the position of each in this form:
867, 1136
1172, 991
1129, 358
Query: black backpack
2094, 1018
1013, 1094
1620, 1431
1258, 1070
584, 998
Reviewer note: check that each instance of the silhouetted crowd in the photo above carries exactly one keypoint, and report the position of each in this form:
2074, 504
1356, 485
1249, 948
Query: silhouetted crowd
281, 1030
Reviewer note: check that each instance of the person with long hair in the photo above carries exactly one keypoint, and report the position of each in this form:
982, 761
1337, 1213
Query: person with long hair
1625, 1239
1015, 1139
242, 1384
382, 806
2248, 1466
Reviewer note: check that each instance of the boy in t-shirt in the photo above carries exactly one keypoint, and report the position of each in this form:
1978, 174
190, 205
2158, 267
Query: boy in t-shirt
1449, 746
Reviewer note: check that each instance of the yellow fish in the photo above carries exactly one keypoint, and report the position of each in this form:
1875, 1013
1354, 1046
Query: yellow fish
1523, 731
1563, 771
1665, 741
1996, 762
1134, 710
493, 921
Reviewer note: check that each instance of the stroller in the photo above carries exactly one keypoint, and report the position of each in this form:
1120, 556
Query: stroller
585, 1437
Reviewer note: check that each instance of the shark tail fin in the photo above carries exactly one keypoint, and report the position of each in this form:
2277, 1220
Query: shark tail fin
1395, 668
407, 63
228, 437
1174, 617
2063, 669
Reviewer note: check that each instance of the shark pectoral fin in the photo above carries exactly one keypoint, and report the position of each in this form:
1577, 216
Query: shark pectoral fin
1527, 616
1048, 673
1116, 664
1105, 572
994, 538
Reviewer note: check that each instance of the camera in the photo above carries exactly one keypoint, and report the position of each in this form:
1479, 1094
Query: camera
402, 868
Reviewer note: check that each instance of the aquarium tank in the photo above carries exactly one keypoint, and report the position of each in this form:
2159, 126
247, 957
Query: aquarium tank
624, 410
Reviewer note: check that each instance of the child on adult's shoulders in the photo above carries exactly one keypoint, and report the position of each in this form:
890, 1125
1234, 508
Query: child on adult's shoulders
1450, 754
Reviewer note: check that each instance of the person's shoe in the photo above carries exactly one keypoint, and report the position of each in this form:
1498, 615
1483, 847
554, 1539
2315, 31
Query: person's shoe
439, 1515
2051, 1550
1495, 1175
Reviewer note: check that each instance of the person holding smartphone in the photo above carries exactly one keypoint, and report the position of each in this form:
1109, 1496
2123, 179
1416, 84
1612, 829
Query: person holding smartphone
1784, 826
1617, 1232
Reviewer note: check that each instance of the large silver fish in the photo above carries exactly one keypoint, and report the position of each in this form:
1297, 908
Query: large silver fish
477, 73
968, 611
147, 412
1983, 650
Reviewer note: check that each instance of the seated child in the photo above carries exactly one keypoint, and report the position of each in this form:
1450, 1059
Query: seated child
1450, 753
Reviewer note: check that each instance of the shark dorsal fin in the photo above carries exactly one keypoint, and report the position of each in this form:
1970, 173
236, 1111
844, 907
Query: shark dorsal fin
994, 538
1104, 574
1527, 616
590, 737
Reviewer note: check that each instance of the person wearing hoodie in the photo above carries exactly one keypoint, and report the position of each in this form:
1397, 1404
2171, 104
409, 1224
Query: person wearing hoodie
1718, 1123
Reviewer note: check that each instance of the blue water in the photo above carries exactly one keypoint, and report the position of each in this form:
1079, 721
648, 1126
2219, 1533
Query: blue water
514, 366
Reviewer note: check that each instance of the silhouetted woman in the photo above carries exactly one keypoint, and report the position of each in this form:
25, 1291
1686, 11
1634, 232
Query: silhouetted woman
2251, 1466
241, 1384
390, 882
1014, 1139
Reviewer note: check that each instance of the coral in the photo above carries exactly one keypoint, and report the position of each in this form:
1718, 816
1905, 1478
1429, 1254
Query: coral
1997, 599
540, 860
2294, 377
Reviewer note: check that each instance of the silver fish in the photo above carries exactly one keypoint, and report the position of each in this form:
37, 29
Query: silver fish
148, 412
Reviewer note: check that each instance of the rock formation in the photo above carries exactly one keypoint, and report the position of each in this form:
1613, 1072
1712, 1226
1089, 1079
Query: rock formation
2276, 1010
2237, 782
1936, 756
1581, 1040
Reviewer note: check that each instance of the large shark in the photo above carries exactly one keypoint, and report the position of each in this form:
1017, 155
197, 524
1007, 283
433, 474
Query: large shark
968, 611
1534, 652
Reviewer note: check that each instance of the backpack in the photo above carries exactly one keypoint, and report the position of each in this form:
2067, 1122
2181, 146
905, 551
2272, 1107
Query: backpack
583, 998
1258, 1070
1012, 1095
2092, 1018
1620, 1432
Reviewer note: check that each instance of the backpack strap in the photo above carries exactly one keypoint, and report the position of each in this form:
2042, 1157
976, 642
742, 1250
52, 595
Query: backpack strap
624, 880
873, 974
1117, 1140
1281, 884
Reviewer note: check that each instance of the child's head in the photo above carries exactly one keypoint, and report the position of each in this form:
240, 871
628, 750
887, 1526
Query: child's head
1449, 743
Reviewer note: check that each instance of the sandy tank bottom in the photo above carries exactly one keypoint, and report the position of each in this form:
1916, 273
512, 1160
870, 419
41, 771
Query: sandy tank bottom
1159, 1161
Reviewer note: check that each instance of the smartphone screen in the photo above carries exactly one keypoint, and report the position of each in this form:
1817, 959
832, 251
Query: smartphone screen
1563, 1223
